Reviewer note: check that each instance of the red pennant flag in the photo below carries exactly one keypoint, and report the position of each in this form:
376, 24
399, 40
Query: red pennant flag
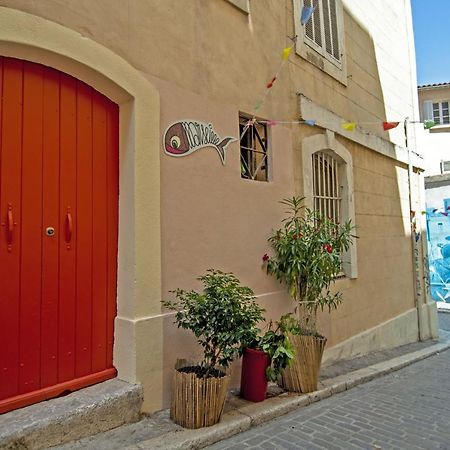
270, 83
389, 125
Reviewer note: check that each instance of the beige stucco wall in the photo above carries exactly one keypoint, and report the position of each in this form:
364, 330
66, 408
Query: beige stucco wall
208, 61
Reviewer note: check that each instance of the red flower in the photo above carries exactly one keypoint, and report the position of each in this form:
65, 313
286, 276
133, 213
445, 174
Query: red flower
327, 247
265, 258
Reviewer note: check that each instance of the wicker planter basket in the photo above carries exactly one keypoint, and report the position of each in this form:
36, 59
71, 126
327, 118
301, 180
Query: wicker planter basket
197, 402
303, 374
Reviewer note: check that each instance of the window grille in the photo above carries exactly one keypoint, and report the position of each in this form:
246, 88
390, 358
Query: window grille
254, 145
326, 188
322, 29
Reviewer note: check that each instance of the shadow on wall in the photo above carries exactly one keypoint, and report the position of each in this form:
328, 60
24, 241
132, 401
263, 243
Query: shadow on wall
385, 285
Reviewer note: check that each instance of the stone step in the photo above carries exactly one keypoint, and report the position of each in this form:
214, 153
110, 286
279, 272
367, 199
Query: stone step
82, 413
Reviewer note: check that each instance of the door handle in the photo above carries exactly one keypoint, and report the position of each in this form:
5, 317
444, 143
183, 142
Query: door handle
9, 224
69, 227
9, 227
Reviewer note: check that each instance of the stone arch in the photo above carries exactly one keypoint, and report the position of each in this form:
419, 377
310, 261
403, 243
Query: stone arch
35, 39
328, 143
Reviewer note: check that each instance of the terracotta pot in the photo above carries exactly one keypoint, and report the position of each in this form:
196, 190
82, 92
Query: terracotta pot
253, 375
197, 402
303, 374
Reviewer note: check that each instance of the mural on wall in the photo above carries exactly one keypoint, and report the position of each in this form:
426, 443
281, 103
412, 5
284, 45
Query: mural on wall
438, 233
186, 136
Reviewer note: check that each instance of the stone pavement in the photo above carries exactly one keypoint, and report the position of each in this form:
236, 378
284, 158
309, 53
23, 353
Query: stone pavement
392, 412
408, 409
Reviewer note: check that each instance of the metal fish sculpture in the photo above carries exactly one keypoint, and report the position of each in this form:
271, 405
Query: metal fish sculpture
185, 137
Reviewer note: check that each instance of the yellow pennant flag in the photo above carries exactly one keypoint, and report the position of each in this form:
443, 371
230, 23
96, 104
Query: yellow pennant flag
349, 126
286, 53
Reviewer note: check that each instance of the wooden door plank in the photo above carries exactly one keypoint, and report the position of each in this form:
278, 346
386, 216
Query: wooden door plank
11, 154
84, 230
113, 209
100, 254
31, 227
51, 214
68, 207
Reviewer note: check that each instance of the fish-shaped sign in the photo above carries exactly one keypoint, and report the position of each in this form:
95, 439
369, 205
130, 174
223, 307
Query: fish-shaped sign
186, 136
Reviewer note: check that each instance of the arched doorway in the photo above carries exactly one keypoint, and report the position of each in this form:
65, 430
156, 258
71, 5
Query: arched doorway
58, 243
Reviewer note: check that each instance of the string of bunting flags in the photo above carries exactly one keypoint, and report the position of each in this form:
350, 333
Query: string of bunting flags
305, 16
347, 126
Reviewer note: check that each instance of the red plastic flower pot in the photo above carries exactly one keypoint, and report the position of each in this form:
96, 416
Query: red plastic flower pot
253, 376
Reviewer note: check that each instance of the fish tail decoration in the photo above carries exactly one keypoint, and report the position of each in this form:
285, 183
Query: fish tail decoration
221, 147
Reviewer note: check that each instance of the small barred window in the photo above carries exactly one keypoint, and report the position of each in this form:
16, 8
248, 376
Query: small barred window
326, 188
254, 146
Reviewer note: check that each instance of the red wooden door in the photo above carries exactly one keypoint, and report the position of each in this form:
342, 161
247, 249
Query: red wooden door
58, 233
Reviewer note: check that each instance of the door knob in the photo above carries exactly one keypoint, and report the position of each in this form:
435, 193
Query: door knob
50, 231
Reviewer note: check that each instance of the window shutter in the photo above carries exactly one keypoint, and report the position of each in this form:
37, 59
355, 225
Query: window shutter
331, 28
312, 27
427, 110
334, 30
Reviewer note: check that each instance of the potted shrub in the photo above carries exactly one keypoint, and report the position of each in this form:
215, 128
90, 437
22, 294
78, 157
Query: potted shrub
263, 360
223, 316
307, 258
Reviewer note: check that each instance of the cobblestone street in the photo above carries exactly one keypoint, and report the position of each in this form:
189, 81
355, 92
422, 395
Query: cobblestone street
408, 409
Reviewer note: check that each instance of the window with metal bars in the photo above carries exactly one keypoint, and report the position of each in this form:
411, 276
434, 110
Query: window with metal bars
322, 31
254, 149
326, 188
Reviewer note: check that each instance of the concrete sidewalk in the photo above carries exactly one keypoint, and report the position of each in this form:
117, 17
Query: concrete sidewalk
159, 432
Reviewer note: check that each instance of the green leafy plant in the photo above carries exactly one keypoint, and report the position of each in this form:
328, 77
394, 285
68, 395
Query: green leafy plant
222, 317
281, 352
307, 258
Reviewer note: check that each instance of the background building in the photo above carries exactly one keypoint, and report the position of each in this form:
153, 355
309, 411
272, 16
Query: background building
435, 143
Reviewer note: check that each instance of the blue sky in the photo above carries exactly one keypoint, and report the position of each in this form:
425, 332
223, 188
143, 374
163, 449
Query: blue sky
432, 40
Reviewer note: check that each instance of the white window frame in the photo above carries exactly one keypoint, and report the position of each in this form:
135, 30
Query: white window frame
317, 54
428, 111
445, 167
328, 144
441, 113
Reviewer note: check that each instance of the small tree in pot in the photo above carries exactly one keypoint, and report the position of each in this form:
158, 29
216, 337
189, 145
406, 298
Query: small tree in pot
222, 317
307, 258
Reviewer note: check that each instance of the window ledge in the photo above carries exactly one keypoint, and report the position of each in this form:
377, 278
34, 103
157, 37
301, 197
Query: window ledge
440, 128
243, 5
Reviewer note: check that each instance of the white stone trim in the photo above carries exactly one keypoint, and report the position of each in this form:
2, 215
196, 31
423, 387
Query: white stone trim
243, 5
400, 330
330, 121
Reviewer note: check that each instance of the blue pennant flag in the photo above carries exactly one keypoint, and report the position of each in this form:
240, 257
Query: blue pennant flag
307, 12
